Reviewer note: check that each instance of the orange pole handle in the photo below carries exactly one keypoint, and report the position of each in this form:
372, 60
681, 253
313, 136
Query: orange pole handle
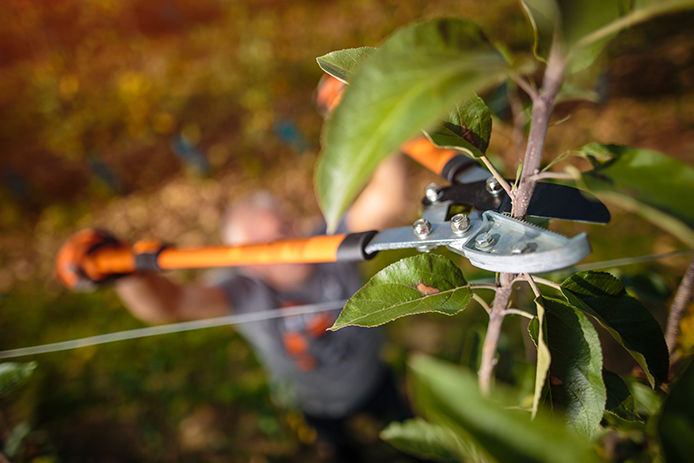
315, 249
323, 248
429, 155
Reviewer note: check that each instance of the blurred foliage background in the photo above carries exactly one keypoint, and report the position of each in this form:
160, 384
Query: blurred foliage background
146, 118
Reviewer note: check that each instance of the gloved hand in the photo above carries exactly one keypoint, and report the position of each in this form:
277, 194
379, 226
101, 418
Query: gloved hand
75, 266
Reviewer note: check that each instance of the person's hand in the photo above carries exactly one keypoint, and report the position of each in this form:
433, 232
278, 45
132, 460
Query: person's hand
75, 267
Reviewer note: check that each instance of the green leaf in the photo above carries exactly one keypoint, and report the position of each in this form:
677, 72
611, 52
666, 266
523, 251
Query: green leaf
649, 183
646, 400
468, 128
450, 396
404, 87
603, 296
417, 284
342, 63
13, 375
676, 423
590, 24
620, 402
576, 382
585, 27
544, 358
427, 440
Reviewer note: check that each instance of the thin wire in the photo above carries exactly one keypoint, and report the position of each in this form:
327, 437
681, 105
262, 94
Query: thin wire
227, 320
628, 261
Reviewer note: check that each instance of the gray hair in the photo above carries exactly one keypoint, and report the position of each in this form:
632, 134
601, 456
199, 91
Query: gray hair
259, 200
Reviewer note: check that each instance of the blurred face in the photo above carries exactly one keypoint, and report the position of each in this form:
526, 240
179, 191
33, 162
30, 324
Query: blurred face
252, 225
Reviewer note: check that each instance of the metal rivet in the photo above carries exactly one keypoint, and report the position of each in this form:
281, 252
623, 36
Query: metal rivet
421, 228
433, 192
494, 188
484, 240
460, 223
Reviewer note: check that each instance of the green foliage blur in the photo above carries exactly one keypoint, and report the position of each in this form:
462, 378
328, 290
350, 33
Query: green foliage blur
146, 118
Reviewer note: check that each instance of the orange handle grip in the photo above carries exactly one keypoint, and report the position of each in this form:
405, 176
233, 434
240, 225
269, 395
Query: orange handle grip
315, 249
427, 154
325, 248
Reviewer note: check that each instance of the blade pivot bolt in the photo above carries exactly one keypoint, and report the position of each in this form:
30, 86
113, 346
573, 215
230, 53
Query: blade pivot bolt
493, 186
433, 192
460, 223
484, 240
421, 228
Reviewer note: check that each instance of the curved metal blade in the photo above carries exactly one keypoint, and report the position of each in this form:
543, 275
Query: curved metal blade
503, 244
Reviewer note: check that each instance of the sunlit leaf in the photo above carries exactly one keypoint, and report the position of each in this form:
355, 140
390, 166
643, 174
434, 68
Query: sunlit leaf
428, 440
405, 86
544, 357
576, 383
450, 396
417, 284
342, 63
585, 27
646, 182
13, 375
620, 402
676, 422
591, 24
467, 129
603, 296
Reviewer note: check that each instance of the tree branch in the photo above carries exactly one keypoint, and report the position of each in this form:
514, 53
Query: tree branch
542, 110
491, 340
679, 307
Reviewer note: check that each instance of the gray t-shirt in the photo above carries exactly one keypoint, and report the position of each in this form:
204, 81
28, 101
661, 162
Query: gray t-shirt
329, 373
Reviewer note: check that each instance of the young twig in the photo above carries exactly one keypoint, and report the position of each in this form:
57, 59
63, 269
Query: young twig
546, 282
527, 87
532, 284
522, 313
483, 286
553, 175
502, 181
679, 307
477, 298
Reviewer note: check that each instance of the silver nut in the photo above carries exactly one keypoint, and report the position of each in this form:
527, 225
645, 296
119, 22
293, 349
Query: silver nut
433, 192
494, 188
484, 240
460, 223
421, 228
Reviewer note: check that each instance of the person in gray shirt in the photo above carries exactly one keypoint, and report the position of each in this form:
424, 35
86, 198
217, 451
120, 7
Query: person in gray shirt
331, 375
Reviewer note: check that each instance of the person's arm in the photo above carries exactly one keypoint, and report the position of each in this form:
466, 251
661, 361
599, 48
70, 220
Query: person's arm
382, 203
155, 299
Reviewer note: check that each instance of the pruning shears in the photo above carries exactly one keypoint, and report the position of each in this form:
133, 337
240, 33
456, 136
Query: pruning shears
468, 217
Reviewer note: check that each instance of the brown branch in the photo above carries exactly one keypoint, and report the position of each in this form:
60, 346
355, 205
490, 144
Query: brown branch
542, 110
491, 340
679, 307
